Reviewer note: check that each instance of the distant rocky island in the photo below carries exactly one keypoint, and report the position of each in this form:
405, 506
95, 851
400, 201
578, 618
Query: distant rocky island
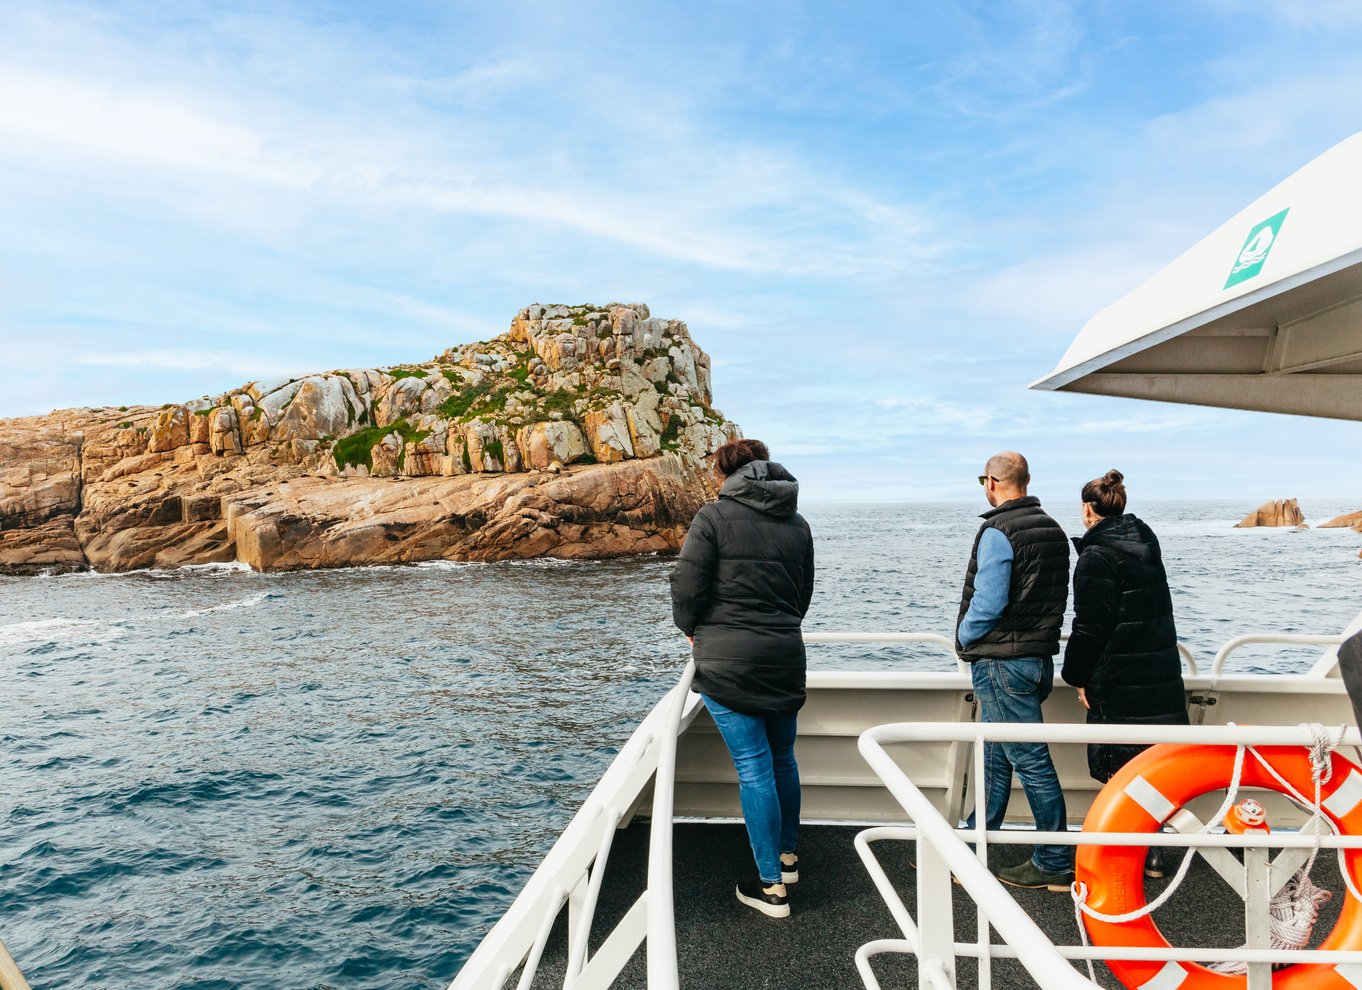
1287, 512
578, 433
1279, 512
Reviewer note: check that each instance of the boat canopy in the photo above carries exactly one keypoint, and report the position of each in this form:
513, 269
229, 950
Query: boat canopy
1265, 313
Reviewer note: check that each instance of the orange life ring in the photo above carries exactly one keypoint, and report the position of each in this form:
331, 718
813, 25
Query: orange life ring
1144, 794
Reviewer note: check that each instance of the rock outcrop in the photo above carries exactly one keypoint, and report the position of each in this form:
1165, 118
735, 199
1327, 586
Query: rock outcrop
1349, 520
1282, 512
579, 433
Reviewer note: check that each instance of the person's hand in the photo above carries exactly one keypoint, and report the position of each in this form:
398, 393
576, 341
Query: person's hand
690, 640
1083, 697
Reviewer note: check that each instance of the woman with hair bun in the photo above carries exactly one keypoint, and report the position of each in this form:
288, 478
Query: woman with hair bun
1123, 651
740, 590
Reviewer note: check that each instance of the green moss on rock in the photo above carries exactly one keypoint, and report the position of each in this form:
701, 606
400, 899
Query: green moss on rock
358, 447
462, 401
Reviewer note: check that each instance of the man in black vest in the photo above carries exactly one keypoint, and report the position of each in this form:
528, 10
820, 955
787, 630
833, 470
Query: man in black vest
1011, 613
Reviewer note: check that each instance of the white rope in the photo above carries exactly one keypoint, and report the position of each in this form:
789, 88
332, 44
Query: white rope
1081, 897
1079, 891
1295, 908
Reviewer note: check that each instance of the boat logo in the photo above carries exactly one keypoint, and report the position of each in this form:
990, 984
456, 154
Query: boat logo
1255, 250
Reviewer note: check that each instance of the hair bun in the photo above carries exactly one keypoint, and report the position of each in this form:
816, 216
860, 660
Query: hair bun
1113, 477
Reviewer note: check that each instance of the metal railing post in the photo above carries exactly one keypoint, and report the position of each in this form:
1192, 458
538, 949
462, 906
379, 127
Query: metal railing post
1275, 639
662, 968
935, 910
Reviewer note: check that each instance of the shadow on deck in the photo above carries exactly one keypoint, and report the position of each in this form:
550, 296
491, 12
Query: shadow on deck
836, 909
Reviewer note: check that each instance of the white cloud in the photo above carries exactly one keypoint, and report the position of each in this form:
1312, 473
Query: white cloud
123, 121
1307, 14
248, 365
695, 199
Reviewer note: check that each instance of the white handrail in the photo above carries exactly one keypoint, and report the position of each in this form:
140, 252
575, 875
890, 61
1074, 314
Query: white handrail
880, 637
662, 968
935, 639
946, 849
1127, 735
945, 642
1280, 639
1046, 966
518, 936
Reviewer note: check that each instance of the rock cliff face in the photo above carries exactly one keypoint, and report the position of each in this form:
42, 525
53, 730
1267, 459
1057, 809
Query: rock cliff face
1282, 512
579, 433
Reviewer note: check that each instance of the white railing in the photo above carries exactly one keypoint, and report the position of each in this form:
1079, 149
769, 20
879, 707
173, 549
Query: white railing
948, 644
942, 851
1276, 639
573, 870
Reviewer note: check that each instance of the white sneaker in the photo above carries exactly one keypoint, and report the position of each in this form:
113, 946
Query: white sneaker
770, 901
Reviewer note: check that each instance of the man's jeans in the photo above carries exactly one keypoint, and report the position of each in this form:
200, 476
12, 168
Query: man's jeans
768, 781
1012, 691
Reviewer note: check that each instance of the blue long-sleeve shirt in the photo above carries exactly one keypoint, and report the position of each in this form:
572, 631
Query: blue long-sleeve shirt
992, 579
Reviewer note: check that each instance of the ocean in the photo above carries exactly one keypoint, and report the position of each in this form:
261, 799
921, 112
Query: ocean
213, 778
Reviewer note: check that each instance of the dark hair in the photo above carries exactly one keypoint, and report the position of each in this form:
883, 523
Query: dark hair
1106, 494
736, 453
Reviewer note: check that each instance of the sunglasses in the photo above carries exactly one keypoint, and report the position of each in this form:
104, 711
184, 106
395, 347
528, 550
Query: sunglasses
986, 478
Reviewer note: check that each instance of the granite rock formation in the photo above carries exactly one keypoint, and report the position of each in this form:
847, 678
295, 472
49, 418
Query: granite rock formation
579, 433
1349, 520
1282, 512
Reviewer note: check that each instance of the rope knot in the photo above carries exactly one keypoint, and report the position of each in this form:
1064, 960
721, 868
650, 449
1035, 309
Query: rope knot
1323, 742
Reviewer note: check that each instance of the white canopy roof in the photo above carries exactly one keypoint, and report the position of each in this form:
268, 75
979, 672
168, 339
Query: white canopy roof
1265, 313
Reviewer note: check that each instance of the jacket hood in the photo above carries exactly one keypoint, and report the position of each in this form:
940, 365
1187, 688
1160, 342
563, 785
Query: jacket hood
1124, 534
764, 486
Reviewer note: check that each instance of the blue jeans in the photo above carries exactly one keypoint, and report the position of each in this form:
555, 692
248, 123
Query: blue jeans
768, 781
1012, 691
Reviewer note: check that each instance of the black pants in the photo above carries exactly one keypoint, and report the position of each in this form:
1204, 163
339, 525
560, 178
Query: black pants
1105, 759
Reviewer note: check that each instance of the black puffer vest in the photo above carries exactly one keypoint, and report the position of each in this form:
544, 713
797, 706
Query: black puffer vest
1039, 591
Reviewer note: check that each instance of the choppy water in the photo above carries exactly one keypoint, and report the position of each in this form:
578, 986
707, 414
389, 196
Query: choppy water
214, 778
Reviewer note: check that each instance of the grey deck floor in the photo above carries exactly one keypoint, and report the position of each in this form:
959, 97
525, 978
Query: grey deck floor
835, 909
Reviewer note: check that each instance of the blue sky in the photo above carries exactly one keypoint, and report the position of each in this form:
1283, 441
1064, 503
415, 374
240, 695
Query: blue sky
881, 221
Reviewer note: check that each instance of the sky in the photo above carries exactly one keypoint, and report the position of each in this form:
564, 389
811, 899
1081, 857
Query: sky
882, 221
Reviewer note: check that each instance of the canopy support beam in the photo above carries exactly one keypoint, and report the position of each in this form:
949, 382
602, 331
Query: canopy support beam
1319, 340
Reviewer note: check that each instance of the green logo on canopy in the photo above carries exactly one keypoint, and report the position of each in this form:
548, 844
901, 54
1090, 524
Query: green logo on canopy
1255, 250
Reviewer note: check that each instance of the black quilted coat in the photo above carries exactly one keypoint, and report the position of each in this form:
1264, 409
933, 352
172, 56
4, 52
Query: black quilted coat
742, 586
1123, 647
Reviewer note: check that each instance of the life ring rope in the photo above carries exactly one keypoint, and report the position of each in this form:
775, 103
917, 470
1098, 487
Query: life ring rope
1322, 745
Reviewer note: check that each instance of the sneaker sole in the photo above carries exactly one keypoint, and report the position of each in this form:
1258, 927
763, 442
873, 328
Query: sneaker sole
786, 877
770, 910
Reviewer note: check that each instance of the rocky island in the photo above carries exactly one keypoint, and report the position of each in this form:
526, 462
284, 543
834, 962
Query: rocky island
578, 433
1279, 512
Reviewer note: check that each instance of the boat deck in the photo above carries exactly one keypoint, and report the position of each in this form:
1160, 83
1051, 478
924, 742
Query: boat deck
836, 909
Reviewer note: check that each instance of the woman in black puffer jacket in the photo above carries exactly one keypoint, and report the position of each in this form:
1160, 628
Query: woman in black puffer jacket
1123, 650
740, 590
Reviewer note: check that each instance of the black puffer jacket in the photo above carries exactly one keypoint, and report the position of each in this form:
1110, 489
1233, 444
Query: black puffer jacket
741, 587
1123, 648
